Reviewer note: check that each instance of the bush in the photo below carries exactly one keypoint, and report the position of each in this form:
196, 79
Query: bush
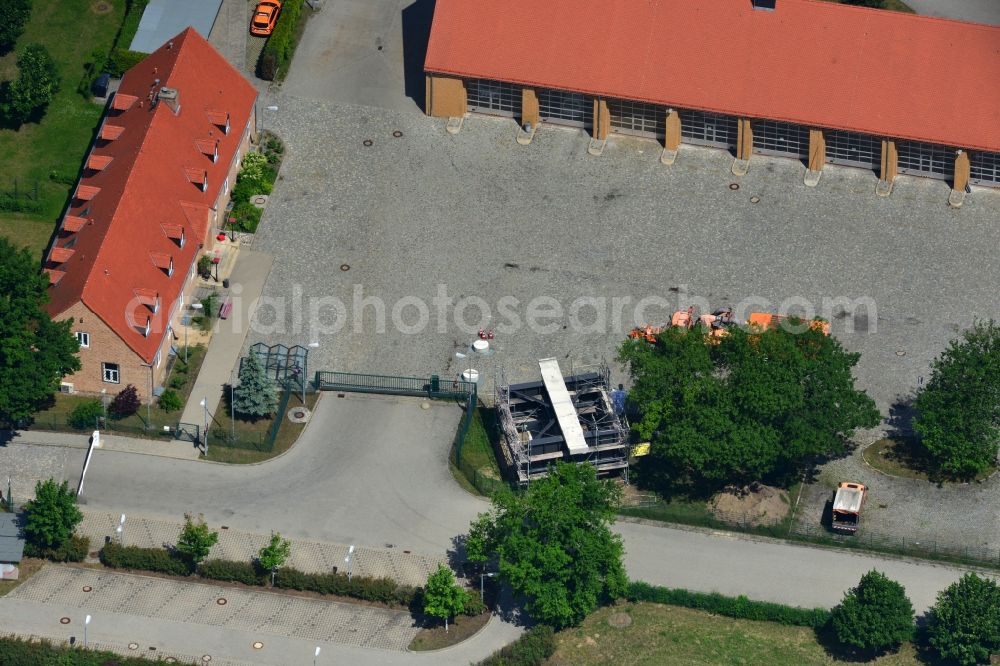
531, 649
267, 66
473, 605
85, 415
26, 97
51, 518
964, 624
247, 217
253, 166
122, 60
170, 400
281, 44
382, 590
228, 570
876, 615
9, 204
205, 266
159, 560
738, 607
126, 403
39, 652
75, 549
177, 381
14, 15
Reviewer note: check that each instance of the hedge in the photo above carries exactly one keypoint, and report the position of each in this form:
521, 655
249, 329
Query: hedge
228, 570
737, 607
281, 44
122, 60
24, 652
383, 590
74, 550
531, 649
159, 560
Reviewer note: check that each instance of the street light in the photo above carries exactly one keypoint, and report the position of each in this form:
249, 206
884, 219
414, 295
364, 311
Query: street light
204, 404
482, 576
121, 530
86, 621
350, 562
272, 108
316, 655
305, 370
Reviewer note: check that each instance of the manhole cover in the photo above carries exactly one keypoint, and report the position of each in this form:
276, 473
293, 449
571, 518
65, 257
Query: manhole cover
259, 200
87, 588
64, 620
367, 143
206, 658
101, 7
425, 405
734, 186
257, 645
754, 199
345, 267
94, 554
619, 620
299, 415
221, 601
900, 352
397, 134
133, 646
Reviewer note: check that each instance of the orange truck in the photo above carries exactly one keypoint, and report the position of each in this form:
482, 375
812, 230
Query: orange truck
847, 504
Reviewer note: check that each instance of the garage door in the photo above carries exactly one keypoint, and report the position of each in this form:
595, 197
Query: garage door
708, 129
497, 98
772, 137
565, 108
930, 160
985, 169
636, 118
853, 149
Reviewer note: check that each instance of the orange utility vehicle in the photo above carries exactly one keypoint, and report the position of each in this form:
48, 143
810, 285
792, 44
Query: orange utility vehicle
847, 504
766, 320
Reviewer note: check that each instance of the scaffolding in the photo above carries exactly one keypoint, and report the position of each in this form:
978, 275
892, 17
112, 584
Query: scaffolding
532, 439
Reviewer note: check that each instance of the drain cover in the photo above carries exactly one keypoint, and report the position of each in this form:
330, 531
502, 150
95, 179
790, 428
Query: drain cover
367, 143
755, 199
397, 134
133, 646
257, 645
87, 588
345, 267
734, 186
221, 601
900, 352
64, 620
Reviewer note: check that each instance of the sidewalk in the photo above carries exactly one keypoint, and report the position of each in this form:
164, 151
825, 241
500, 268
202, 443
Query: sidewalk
217, 370
309, 556
153, 447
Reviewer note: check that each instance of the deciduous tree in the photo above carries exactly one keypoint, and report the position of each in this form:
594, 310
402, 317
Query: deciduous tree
126, 402
553, 543
443, 597
52, 516
196, 540
958, 411
14, 15
874, 616
755, 406
27, 96
274, 555
964, 624
35, 352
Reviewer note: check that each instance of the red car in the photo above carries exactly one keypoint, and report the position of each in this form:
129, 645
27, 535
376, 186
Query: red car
264, 17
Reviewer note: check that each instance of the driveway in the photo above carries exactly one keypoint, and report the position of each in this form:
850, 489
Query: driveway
367, 52
367, 470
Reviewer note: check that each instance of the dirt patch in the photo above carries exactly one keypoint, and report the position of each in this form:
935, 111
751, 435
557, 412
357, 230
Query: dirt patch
619, 620
763, 505
101, 7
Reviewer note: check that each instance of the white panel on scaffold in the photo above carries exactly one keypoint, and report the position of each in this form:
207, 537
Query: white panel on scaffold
563, 406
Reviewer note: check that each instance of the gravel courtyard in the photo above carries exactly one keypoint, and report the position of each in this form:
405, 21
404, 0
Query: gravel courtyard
528, 229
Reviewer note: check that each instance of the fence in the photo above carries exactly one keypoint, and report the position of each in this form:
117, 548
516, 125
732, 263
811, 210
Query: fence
430, 387
148, 430
258, 441
652, 507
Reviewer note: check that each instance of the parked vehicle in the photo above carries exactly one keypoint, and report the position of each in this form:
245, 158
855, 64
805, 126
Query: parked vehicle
264, 17
847, 504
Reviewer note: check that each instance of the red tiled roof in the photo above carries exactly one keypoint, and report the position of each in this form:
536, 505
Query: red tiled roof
217, 117
111, 132
207, 146
196, 175
809, 62
123, 102
87, 192
73, 223
98, 162
125, 242
60, 255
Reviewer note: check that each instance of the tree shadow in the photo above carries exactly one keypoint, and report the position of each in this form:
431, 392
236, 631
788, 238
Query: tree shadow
417, 19
901, 417
457, 558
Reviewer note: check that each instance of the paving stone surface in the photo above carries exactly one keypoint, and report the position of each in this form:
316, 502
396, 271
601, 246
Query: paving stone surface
263, 612
308, 556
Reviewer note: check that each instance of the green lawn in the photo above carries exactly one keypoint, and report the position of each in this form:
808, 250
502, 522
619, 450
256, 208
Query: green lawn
664, 635
257, 430
70, 30
479, 472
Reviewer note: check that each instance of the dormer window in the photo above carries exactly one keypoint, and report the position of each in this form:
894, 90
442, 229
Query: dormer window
209, 148
197, 176
170, 268
180, 241
149, 298
163, 261
219, 119
215, 153
174, 232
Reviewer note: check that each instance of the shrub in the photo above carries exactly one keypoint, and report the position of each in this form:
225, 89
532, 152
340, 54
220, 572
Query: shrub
738, 607
14, 16
170, 400
50, 518
159, 560
74, 549
253, 166
10, 204
27, 96
531, 649
85, 415
247, 217
875, 615
473, 605
382, 590
126, 403
964, 624
228, 570
281, 44
122, 60
36, 652
177, 381
204, 266
196, 540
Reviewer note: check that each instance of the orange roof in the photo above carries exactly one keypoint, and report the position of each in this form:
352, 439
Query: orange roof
123, 102
130, 228
815, 63
87, 192
111, 132
60, 255
98, 162
54, 275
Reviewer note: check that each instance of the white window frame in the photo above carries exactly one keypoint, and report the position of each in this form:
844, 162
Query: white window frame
170, 268
111, 373
225, 185
183, 238
83, 339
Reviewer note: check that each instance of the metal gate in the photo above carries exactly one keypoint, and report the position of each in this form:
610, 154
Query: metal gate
930, 160
853, 149
497, 98
704, 128
773, 137
188, 432
431, 387
637, 118
561, 107
985, 168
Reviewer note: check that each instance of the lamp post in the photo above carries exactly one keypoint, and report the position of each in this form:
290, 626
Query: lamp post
86, 621
273, 109
204, 404
482, 576
149, 398
316, 655
305, 370
121, 530
350, 562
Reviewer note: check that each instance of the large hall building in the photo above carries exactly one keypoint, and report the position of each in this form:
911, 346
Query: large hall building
818, 81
